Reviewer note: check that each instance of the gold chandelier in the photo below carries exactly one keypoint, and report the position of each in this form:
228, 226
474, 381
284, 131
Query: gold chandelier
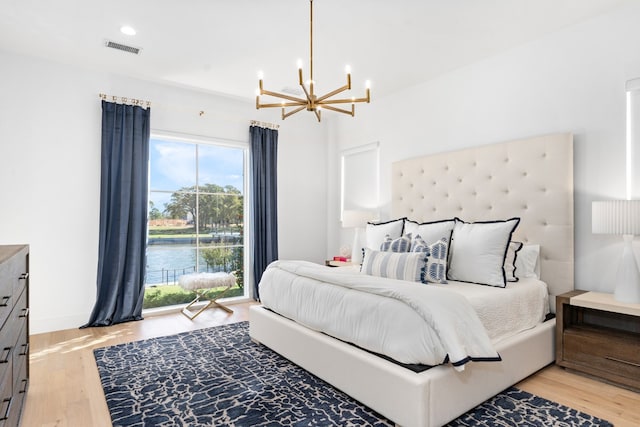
311, 102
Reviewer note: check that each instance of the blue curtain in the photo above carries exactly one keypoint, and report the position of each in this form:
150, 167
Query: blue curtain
264, 194
123, 214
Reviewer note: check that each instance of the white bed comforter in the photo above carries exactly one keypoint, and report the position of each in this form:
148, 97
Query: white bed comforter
379, 315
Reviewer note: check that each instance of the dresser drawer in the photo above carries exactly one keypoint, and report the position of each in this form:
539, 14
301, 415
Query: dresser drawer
615, 354
19, 315
19, 394
6, 352
18, 271
6, 292
20, 353
6, 400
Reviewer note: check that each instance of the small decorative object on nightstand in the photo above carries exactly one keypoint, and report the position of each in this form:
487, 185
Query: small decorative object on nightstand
599, 336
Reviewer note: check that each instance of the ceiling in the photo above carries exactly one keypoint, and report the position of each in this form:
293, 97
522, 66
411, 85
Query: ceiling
220, 45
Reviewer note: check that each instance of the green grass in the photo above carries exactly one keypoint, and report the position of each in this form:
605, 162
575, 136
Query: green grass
166, 295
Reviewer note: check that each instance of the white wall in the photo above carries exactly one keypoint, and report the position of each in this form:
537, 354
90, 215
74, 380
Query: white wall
50, 172
570, 81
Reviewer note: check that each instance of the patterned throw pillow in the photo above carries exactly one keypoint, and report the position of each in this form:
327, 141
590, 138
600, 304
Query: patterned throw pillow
401, 244
436, 271
403, 266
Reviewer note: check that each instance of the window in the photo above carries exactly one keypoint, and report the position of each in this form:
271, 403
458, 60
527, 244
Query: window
196, 216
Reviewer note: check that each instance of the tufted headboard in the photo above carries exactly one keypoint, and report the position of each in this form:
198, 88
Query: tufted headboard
531, 179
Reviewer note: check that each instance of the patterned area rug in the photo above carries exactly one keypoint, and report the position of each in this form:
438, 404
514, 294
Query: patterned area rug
218, 377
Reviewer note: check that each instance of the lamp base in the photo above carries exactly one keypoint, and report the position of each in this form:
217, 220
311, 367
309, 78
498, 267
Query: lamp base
628, 278
356, 248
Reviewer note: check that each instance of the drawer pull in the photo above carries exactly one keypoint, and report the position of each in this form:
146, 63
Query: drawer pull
25, 351
26, 312
7, 353
5, 301
626, 362
8, 408
25, 385
23, 276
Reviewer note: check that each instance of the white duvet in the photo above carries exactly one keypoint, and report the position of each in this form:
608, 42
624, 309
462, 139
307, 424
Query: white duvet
408, 322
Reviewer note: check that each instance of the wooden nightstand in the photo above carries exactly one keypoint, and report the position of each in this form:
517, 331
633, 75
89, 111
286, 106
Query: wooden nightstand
333, 263
599, 336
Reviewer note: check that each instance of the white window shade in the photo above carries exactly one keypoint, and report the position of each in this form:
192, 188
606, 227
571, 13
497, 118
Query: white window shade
360, 178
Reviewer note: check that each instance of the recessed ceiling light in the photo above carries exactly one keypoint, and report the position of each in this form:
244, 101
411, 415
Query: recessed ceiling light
130, 31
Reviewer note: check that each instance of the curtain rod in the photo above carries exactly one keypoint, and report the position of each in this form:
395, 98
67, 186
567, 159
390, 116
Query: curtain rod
201, 113
125, 100
264, 124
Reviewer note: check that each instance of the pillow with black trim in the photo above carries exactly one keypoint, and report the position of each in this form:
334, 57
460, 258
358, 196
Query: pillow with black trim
395, 265
528, 262
478, 250
401, 244
436, 271
430, 231
376, 232
510, 261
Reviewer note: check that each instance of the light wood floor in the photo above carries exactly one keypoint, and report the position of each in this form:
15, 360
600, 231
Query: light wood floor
65, 389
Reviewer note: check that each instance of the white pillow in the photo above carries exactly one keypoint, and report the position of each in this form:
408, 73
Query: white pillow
510, 261
430, 231
395, 265
527, 263
377, 232
478, 251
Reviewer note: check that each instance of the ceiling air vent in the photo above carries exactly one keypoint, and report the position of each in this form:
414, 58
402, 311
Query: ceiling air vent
123, 47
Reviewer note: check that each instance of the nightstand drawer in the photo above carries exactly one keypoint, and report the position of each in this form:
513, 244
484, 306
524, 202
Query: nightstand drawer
599, 351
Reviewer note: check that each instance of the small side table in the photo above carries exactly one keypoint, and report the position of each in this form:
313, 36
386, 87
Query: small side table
599, 336
332, 263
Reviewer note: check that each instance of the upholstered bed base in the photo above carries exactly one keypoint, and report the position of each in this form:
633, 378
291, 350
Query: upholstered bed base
426, 399
531, 179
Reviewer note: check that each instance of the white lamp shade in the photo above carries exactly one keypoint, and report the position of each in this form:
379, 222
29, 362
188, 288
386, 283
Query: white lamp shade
616, 217
357, 218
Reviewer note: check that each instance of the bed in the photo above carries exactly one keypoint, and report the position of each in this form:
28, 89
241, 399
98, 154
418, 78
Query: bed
530, 179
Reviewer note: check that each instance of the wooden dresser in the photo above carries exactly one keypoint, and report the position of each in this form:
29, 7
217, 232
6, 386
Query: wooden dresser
599, 336
14, 333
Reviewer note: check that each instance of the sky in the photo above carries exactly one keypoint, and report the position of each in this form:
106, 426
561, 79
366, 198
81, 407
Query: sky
173, 166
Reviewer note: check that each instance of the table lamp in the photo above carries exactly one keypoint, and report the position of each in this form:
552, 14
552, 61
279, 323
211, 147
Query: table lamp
621, 217
357, 219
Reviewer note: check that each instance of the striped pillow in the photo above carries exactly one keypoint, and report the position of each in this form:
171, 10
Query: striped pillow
393, 265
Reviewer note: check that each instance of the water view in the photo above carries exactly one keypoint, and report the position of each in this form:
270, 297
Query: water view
165, 263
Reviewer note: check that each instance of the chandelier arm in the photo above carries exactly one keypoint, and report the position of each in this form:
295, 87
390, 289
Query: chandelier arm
283, 96
351, 112
281, 104
332, 93
292, 112
317, 113
342, 101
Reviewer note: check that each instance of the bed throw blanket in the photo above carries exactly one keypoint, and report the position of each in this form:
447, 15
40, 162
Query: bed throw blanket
323, 298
